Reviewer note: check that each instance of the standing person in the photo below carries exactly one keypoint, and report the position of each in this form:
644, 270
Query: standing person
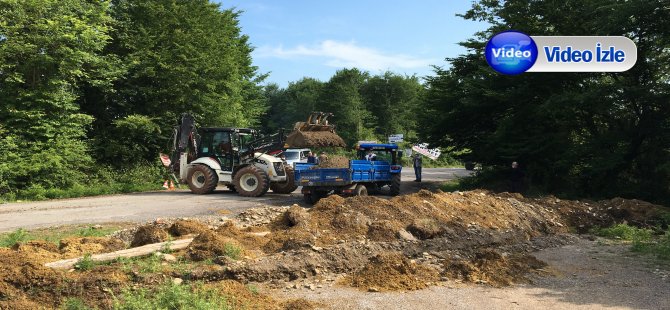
417, 162
322, 158
311, 159
516, 178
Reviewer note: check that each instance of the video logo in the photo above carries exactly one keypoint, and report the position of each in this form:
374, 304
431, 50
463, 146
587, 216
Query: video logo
511, 52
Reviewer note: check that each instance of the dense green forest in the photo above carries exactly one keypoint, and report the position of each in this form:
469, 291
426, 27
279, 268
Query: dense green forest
90, 92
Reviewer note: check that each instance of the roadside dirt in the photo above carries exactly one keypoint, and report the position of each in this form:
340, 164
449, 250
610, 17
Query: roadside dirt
411, 242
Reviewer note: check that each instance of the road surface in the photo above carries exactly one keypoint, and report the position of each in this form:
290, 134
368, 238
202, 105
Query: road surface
140, 207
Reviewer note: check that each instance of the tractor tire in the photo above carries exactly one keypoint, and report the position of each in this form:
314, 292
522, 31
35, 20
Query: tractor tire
251, 181
202, 180
395, 185
360, 190
285, 187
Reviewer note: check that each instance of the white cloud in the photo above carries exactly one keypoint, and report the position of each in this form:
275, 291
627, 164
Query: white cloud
347, 54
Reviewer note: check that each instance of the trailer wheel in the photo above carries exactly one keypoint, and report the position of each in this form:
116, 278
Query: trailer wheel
395, 185
202, 179
251, 181
360, 190
285, 187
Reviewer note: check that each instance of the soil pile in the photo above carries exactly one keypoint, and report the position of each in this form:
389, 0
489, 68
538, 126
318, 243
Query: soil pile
148, 234
334, 161
305, 139
73, 247
24, 281
244, 237
426, 215
186, 227
392, 272
488, 266
210, 245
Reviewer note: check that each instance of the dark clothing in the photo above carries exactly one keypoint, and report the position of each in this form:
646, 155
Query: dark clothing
311, 160
516, 180
417, 162
417, 173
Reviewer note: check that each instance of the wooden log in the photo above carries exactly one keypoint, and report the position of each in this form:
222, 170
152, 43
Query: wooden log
132, 252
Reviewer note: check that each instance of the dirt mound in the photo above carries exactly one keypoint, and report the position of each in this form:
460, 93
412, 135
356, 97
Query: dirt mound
426, 215
334, 161
246, 238
39, 250
73, 247
302, 139
186, 227
490, 267
22, 278
392, 272
148, 234
209, 245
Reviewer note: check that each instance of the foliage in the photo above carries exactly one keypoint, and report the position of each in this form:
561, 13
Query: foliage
177, 56
47, 49
365, 106
172, 296
17, 236
105, 181
586, 134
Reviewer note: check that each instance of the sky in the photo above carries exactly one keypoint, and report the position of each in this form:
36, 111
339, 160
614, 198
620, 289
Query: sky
299, 38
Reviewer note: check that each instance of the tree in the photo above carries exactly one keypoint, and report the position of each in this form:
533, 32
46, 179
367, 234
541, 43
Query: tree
392, 100
341, 96
178, 57
594, 134
290, 105
47, 49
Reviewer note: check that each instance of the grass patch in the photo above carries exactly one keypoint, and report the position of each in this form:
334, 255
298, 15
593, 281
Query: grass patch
85, 263
659, 247
10, 239
643, 240
74, 304
232, 251
624, 232
451, 186
171, 296
54, 235
143, 265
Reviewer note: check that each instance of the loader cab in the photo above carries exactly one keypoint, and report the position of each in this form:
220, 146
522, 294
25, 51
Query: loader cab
225, 144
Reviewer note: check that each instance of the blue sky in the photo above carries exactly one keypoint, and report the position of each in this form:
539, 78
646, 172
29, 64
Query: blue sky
296, 39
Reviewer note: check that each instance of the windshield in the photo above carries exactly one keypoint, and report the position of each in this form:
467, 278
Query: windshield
292, 155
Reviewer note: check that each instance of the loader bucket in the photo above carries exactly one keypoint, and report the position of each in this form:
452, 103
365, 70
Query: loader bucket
306, 139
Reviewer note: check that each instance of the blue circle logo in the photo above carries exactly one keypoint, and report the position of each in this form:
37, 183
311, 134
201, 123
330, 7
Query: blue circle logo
511, 52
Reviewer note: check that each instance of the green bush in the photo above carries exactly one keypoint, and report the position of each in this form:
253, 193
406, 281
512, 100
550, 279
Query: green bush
85, 263
624, 232
172, 296
104, 181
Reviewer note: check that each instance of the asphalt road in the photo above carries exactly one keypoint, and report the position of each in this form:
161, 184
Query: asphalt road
140, 207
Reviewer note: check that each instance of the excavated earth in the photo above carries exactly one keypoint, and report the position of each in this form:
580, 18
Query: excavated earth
408, 242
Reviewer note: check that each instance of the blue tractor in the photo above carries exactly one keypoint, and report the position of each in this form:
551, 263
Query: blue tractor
378, 165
